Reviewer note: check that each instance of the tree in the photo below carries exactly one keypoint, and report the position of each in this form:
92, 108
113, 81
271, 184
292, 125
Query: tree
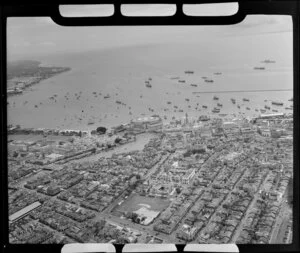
178, 190
101, 130
118, 140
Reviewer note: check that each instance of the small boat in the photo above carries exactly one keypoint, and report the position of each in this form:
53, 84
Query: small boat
267, 107
169, 102
91, 122
148, 85
217, 73
204, 77
194, 85
180, 110
291, 99
222, 114
259, 68
209, 80
274, 110
262, 110
174, 77
246, 99
233, 100
247, 108
256, 110
107, 96
216, 110
150, 78
215, 98
187, 99
218, 104
175, 106
181, 81
277, 103
268, 61
189, 72
203, 118
204, 106
239, 107
288, 108
118, 102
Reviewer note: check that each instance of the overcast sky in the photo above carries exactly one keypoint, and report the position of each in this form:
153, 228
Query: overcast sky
36, 36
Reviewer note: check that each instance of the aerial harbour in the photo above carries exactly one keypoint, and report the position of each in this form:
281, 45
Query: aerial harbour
182, 134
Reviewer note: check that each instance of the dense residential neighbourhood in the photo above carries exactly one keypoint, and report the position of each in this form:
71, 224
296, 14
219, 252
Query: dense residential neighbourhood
210, 180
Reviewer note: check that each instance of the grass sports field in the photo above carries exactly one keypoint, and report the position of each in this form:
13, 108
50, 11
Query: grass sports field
135, 202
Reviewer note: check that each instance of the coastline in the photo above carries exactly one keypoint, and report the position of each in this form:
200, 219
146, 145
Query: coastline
21, 77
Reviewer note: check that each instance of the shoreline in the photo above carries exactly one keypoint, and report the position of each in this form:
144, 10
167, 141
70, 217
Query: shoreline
17, 83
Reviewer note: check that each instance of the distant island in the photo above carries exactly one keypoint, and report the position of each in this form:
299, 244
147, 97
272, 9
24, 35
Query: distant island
25, 73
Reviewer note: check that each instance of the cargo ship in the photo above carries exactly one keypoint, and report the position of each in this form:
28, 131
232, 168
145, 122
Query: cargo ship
277, 103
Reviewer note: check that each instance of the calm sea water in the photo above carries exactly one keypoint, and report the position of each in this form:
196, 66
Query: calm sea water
122, 73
